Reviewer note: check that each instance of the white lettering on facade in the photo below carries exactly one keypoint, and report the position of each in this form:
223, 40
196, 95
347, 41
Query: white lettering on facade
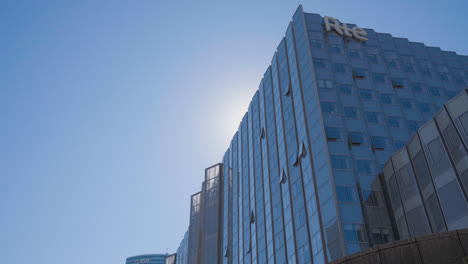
341, 29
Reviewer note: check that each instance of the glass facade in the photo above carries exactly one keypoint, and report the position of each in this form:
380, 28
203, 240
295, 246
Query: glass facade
149, 259
427, 179
182, 250
171, 259
301, 173
206, 221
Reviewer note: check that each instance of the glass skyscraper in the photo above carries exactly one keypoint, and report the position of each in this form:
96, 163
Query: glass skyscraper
300, 178
147, 259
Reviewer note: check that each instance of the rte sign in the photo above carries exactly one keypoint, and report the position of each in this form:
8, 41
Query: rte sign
341, 29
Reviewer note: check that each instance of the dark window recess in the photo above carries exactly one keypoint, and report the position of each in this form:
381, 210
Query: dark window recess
356, 138
262, 135
296, 162
252, 217
359, 73
398, 83
303, 152
380, 143
288, 90
333, 133
283, 177
226, 254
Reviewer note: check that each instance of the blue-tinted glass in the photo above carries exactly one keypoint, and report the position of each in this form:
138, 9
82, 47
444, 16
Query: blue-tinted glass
360, 73
387, 98
443, 76
425, 107
334, 133
365, 166
329, 108
374, 117
320, 63
406, 103
347, 194
435, 91
366, 93
417, 87
399, 144
391, 63
351, 112
339, 67
373, 58
357, 138
409, 67
382, 143
346, 88
379, 77
414, 125
398, 83
395, 121
354, 54
324, 84
339, 162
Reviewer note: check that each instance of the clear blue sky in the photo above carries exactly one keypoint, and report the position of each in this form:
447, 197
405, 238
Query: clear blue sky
111, 110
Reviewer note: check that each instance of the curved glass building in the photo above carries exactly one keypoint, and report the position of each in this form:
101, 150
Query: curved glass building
300, 179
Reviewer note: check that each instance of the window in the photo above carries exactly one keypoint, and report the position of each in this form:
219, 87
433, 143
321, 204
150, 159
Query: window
359, 73
417, 87
435, 91
413, 126
373, 198
320, 63
409, 67
460, 81
366, 166
347, 194
392, 63
381, 235
340, 162
379, 77
340, 67
382, 143
325, 84
388, 98
427, 72
395, 121
463, 119
354, 54
357, 138
315, 43
407, 103
436, 150
335, 48
374, 117
334, 133
398, 83
367, 94
425, 107
373, 58
346, 88
407, 184
354, 233
443, 76
399, 144
329, 108
352, 112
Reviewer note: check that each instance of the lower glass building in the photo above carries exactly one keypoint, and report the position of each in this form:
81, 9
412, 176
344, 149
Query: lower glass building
149, 259
427, 180
300, 179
